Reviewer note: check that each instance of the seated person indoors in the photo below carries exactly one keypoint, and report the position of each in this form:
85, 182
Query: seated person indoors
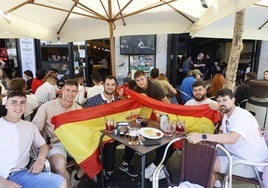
186, 85
244, 91
240, 135
199, 92
97, 88
108, 96
57, 154
16, 139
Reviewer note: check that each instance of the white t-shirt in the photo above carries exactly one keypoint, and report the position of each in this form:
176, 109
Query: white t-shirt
80, 97
16, 140
251, 145
193, 102
95, 90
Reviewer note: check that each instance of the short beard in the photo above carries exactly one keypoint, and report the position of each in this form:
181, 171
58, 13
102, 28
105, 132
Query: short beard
200, 99
107, 93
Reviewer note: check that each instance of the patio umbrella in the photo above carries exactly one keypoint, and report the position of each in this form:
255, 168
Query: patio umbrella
76, 20
255, 25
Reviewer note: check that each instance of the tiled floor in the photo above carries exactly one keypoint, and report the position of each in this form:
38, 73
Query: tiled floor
124, 180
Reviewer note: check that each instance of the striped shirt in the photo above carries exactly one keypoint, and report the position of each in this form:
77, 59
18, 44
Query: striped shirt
46, 92
99, 99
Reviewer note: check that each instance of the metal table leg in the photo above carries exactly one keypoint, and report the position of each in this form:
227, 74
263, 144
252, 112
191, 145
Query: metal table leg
143, 171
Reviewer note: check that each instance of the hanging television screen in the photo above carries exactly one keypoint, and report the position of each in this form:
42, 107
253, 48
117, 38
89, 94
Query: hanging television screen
137, 45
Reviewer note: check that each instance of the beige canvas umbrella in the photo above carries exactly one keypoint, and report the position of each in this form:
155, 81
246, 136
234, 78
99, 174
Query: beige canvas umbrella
76, 20
255, 24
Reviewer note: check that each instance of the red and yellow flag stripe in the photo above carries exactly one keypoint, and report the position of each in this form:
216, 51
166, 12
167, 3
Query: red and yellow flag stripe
79, 130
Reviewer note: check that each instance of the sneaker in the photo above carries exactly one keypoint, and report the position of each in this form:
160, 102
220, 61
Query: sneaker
74, 182
110, 180
149, 171
162, 175
129, 170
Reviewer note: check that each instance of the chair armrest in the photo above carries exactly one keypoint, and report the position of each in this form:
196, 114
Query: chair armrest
160, 166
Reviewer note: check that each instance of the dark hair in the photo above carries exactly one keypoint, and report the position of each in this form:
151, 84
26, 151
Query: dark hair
154, 72
139, 73
110, 77
251, 75
53, 70
96, 77
78, 75
15, 94
40, 74
198, 83
71, 82
265, 71
17, 84
225, 92
28, 73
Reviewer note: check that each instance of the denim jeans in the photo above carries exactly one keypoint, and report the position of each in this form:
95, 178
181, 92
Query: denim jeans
41, 180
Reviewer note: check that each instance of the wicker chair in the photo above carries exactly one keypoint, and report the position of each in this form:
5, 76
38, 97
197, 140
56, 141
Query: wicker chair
196, 164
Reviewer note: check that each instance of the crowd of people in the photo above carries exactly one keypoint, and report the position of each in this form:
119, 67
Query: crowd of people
239, 128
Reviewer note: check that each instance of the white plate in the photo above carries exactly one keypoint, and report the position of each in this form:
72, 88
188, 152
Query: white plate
151, 133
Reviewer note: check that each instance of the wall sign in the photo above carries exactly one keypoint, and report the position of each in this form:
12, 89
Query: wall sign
27, 51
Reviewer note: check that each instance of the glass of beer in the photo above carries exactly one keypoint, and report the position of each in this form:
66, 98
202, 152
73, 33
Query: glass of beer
109, 125
133, 136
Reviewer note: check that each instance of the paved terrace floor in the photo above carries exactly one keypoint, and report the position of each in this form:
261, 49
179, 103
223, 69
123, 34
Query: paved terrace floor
125, 181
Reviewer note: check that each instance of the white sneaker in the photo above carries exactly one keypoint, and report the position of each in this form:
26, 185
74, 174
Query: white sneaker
74, 182
161, 175
217, 183
149, 171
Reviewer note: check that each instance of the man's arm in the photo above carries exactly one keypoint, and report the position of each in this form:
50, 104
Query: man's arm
229, 138
4, 183
38, 165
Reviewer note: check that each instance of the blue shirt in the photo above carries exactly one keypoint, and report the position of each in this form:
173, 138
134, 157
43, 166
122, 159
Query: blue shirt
186, 87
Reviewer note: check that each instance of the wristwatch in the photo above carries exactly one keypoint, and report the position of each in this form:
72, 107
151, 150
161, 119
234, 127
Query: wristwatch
204, 136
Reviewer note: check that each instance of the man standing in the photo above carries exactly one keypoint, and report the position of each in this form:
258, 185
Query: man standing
16, 139
148, 87
198, 63
57, 155
240, 134
107, 96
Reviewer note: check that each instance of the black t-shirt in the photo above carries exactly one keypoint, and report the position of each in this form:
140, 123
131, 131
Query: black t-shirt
153, 90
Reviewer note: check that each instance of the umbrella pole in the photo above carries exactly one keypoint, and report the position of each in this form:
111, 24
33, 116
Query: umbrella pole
112, 49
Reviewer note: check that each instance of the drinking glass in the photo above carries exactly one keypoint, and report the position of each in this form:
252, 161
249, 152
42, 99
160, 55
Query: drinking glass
180, 126
109, 125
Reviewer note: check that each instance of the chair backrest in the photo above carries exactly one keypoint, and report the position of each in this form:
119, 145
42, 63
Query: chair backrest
179, 97
198, 162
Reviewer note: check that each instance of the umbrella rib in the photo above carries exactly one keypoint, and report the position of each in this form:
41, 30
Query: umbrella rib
181, 13
263, 25
120, 12
19, 6
97, 15
161, 3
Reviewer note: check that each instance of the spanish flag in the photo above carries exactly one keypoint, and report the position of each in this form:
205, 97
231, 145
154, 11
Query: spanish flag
79, 130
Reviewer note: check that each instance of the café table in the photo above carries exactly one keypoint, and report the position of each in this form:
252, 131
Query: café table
140, 149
